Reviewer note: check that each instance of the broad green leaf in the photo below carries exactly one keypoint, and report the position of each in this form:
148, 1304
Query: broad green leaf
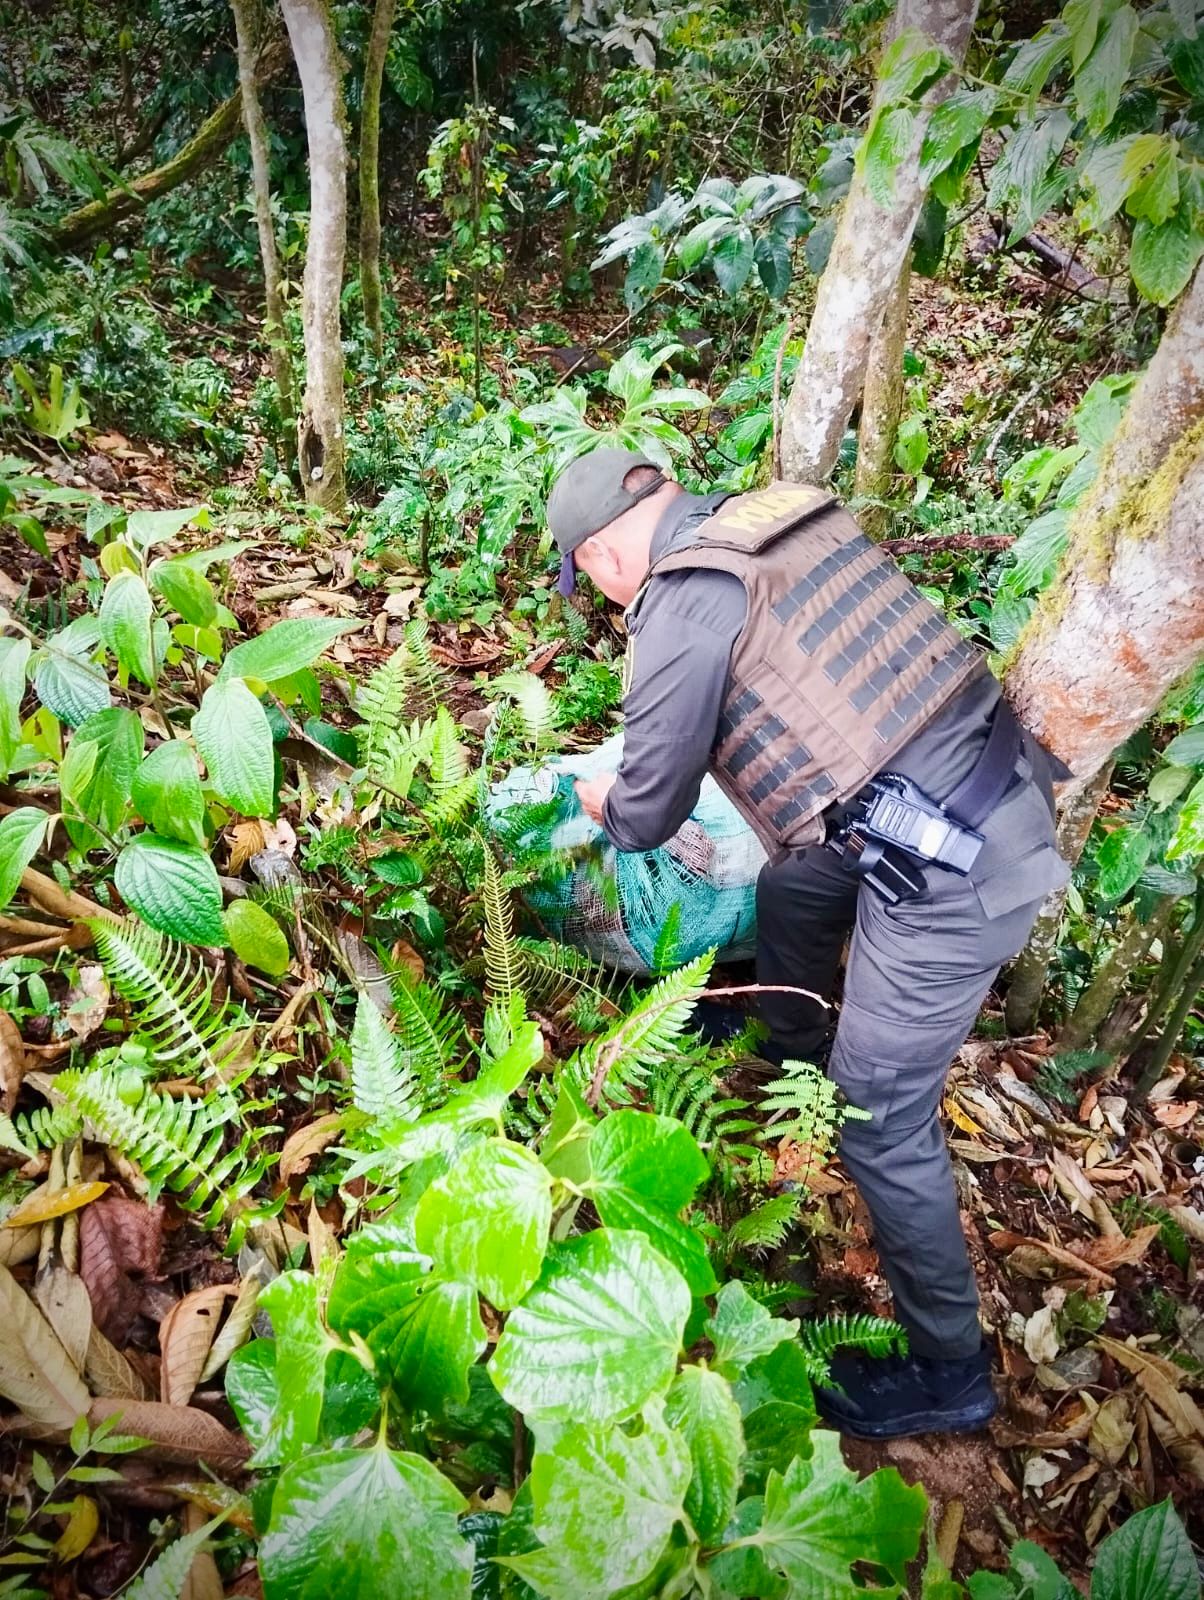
362, 1524
1187, 750
14, 658
202, 560
890, 137
732, 260
253, 1391
910, 64
598, 1335
740, 1329
487, 1220
1037, 552
1156, 196
166, 790
292, 1301
1032, 1573
125, 625
774, 264
819, 1518
1018, 176
1186, 57
1164, 256
1167, 784
740, 1569
186, 590
234, 737
284, 649
605, 1504
911, 445
1149, 1557
424, 1331
1113, 169
67, 680
255, 937
1099, 82
956, 123
703, 1409
21, 835
645, 1169
1082, 17
149, 528
172, 886
104, 796
1037, 58
644, 273
1097, 414
693, 246
1189, 835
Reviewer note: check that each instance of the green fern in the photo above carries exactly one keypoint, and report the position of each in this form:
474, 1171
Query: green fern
767, 1226
504, 964
45, 1128
381, 702
534, 705
384, 1087
425, 672
177, 1143
168, 991
688, 1090
651, 1031
428, 1034
557, 974
820, 1340
167, 1576
811, 1105
664, 951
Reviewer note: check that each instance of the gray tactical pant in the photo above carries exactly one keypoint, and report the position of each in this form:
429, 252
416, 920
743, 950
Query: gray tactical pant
916, 977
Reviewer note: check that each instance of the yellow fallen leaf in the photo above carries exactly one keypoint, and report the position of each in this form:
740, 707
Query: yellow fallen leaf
42, 1205
80, 1530
961, 1119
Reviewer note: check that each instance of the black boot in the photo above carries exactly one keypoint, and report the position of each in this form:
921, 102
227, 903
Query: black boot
889, 1398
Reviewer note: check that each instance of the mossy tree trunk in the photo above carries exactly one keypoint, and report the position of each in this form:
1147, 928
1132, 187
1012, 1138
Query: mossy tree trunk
868, 253
1124, 617
321, 443
881, 405
206, 144
1097, 1000
374, 71
247, 26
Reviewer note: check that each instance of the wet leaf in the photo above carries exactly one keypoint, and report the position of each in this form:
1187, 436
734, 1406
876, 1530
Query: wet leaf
80, 1530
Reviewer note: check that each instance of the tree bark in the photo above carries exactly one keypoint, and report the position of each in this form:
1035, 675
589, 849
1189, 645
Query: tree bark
867, 258
1032, 965
1123, 618
374, 71
880, 407
321, 445
1097, 999
246, 27
206, 144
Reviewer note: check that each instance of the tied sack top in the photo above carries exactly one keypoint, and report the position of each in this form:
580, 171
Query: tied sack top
840, 662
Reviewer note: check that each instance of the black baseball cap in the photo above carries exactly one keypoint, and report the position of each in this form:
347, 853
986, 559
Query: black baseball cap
588, 495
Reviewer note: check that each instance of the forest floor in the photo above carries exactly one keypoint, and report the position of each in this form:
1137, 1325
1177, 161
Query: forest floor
1074, 1210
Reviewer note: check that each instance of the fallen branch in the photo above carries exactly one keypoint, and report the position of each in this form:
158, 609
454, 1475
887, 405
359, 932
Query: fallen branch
947, 541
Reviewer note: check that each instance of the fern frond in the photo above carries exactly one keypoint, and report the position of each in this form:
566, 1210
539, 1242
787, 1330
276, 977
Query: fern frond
504, 964
168, 991
811, 1104
383, 1084
686, 1090
44, 1128
427, 674
167, 1576
381, 701
537, 712
820, 1340
556, 974
446, 813
650, 1031
448, 759
428, 1035
177, 1143
767, 1226
664, 951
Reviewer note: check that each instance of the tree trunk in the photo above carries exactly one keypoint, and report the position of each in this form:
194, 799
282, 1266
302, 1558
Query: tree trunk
321, 445
374, 71
867, 258
1032, 965
1097, 999
206, 144
1123, 618
880, 407
245, 24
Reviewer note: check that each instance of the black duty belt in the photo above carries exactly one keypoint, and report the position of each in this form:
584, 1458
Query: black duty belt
891, 829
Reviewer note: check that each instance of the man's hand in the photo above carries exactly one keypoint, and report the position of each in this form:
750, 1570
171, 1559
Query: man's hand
592, 792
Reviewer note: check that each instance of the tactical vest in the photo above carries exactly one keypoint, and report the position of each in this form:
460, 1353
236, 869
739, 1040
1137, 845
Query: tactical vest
840, 662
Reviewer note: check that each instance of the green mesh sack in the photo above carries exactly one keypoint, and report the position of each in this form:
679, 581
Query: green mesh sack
614, 905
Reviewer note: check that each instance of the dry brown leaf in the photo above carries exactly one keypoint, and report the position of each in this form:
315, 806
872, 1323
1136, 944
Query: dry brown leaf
243, 840
13, 1062
1184, 1450
186, 1336
20, 1245
118, 1236
1072, 1181
236, 1329
110, 1374
1041, 1335
87, 1001
1117, 1249
44, 1203
177, 1433
305, 1143
406, 957
1175, 1113
36, 1373
65, 1304
80, 1530
322, 1239
1161, 1380
203, 1581
799, 1163
1112, 1428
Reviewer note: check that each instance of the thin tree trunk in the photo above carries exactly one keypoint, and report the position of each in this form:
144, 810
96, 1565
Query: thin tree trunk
321, 445
374, 71
1032, 965
206, 144
880, 407
1097, 999
867, 258
1170, 1034
1175, 967
1123, 618
245, 23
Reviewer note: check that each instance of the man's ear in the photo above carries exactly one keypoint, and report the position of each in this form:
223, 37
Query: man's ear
604, 557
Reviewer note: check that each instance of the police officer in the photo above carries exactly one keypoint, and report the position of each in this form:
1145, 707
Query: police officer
900, 804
